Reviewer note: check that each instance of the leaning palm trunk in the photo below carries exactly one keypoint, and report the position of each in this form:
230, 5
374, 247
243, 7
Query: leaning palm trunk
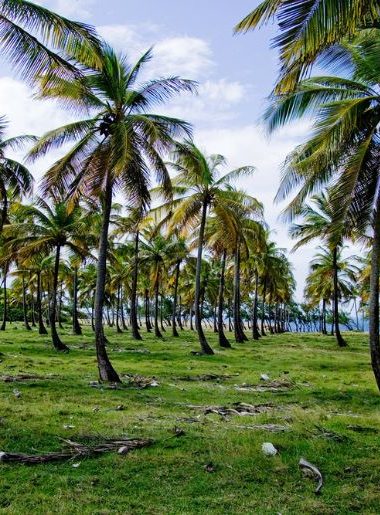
223, 341
157, 332
340, 340
106, 370
240, 337
24, 305
255, 329
5, 302
263, 307
41, 327
58, 344
175, 294
374, 341
76, 326
206, 349
133, 316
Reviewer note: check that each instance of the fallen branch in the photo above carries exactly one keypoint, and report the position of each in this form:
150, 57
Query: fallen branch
75, 450
310, 469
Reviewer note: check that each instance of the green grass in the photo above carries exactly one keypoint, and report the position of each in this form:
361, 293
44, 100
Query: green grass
333, 396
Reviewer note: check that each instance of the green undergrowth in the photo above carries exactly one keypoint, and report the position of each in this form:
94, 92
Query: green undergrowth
327, 403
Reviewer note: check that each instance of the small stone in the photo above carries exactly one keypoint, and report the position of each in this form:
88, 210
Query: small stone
16, 393
2, 455
209, 467
264, 377
75, 465
123, 450
269, 449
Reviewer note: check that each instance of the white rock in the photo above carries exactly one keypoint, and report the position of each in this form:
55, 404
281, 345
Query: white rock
16, 393
154, 383
2, 455
75, 465
264, 377
269, 449
123, 450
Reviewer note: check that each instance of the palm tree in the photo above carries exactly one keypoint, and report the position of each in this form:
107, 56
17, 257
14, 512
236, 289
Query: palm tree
326, 269
15, 179
318, 223
344, 146
114, 149
309, 30
46, 229
36, 41
198, 188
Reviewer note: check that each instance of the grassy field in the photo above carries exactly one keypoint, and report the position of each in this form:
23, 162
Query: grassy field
327, 402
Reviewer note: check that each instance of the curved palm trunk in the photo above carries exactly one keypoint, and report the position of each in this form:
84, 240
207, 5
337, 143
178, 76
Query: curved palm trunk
374, 341
340, 340
147, 314
157, 332
175, 293
123, 322
24, 305
106, 370
179, 317
76, 326
162, 314
263, 307
223, 341
240, 337
57, 343
41, 327
133, 315
5, 303
118, 328
206, 349
255, 329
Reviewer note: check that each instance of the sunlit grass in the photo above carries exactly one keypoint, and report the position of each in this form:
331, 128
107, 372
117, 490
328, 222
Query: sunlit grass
332, 412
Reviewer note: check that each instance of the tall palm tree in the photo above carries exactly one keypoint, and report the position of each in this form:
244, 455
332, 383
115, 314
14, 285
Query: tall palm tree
344, 146
114, 149
45, 229
309, 29
197, 188
317, 223
36, 40
15, 179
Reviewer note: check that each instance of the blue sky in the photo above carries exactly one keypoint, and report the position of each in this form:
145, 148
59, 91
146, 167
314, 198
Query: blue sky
193, 39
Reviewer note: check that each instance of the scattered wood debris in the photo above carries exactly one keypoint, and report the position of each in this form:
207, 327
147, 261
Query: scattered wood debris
272, 428
139, 381
207, 377
278, 385
363, 429
178, 431
238, 408
76, 450
321, 432
21, 377
311, 470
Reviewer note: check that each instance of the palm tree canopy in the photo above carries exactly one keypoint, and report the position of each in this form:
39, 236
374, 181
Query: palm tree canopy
309, 29
120, 142
36, 40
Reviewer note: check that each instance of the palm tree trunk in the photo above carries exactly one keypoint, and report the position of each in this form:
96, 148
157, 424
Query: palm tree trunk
175, 293
133, 315
24, 305
255, 329
374, 341
206, 349
57, 343
263, 307
157, 332
41, 327
240, 337
106, 370
118, 328
5, 302
223, 341
76, 327
324, 329
123, 322
147, 314
340, 340
179, 317
161, 314
59, 311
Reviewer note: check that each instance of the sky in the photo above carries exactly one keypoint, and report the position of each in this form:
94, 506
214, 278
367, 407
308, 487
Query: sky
192, 39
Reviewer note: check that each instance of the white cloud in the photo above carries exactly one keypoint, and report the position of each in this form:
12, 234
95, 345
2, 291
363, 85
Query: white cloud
74, 9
